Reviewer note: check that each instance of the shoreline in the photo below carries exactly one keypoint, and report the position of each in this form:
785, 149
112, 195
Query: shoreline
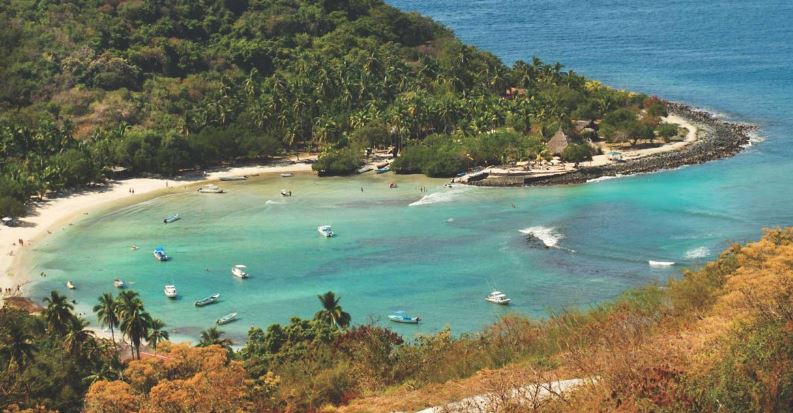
719, 139
712, 138
53, 214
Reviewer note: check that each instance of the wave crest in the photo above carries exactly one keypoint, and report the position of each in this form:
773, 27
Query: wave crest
699, 252
443, 196
547, 235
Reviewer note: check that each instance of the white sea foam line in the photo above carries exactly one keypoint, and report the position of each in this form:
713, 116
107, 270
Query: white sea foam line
699, 252
442, 196
605, 178
548, 235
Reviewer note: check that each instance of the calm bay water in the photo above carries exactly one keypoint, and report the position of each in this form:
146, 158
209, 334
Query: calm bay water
441, 255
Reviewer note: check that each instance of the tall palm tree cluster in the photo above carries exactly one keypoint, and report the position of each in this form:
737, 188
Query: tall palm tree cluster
126, 313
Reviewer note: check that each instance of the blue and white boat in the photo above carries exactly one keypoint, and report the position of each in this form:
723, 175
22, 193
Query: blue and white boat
160, 255
171, 218
383, 169
401, 317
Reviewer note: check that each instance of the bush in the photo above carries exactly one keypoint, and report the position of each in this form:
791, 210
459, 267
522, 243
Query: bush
338, 162
11, 207
577, 153
667, 131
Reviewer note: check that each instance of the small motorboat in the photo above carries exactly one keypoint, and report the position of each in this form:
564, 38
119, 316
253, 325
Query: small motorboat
210, 189
365, 168
170, 291
287, 175
160, 255
239, 271
70, 285
326, 231
226, 319
401, 317
171, 218
383, 169
212, 299
661, 263
285, 192
119, 283
234, 178
497, 297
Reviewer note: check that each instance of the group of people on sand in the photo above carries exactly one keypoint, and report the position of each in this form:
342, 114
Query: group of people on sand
7, 292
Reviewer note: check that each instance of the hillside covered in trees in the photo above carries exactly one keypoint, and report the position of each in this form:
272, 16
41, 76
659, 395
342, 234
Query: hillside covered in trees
159, 87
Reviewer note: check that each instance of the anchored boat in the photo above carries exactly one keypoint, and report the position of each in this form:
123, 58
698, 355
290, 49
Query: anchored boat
160, 255
497, 297
326, 231
170, 291
226, 319
70, 285
212, 299
285, 192
171, 218
401, 317
239, 271
119, 283
234, 178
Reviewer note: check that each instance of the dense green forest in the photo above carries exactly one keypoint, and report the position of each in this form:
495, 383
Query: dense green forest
160, 87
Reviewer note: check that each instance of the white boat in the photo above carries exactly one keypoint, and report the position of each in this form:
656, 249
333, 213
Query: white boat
210, 189
661, 263
497, 297
286, 175
401, 317
209, 300
171, 218
285, 192
365, 168
70, 285
326, 231
234, 178
119, 283
226, 319
170, 291
239, 271
160, 255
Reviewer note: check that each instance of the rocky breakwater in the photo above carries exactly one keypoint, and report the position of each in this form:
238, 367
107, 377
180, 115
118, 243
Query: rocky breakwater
718, 139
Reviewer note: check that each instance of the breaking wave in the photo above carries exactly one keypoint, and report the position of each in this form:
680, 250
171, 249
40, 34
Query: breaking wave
549, 236
699, 252
443, 196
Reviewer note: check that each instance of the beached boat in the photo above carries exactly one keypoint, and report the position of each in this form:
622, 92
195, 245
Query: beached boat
365, 168
239, 271
285, 192
212, 299
170, 291
160, 255
286, 175
661, 263
381, 165
401, 317
119, 283
70, 285
226, 319
326, 231
210, 189
171, 218
234, 178
383, 170
497, 297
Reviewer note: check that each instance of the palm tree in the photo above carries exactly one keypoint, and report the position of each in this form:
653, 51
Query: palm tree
331, 311
17, 346
157, 334
133, 319
212, 336
58, 313
77, 337
106, 313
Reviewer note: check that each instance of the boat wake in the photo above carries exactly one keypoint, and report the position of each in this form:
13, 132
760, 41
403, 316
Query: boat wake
443, 196
548, 236
699, 252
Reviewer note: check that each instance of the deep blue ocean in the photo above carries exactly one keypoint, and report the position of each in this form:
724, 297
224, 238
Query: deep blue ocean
437, 254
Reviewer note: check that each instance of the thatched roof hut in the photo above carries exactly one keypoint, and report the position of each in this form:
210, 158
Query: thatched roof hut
558, 142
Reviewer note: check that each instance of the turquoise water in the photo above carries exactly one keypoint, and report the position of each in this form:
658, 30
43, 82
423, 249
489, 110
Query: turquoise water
439, 257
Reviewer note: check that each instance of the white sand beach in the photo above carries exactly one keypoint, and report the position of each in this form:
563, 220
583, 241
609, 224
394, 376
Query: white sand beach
51, 214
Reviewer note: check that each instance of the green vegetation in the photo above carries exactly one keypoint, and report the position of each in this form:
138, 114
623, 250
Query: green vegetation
160, 87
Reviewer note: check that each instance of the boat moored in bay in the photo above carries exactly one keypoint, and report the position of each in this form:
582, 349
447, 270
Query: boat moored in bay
326, 231
226, 319
212, 299
160, 255
239, 271
401, 317
70, 285
171, 218
497, 297
170, 291
119, 283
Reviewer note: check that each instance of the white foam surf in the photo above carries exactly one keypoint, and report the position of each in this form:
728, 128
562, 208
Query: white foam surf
548, 235
442, 196
604, 178
699, 252
271, 202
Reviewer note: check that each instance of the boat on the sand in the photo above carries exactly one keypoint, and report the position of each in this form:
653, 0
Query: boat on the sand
234, 178
210, 189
